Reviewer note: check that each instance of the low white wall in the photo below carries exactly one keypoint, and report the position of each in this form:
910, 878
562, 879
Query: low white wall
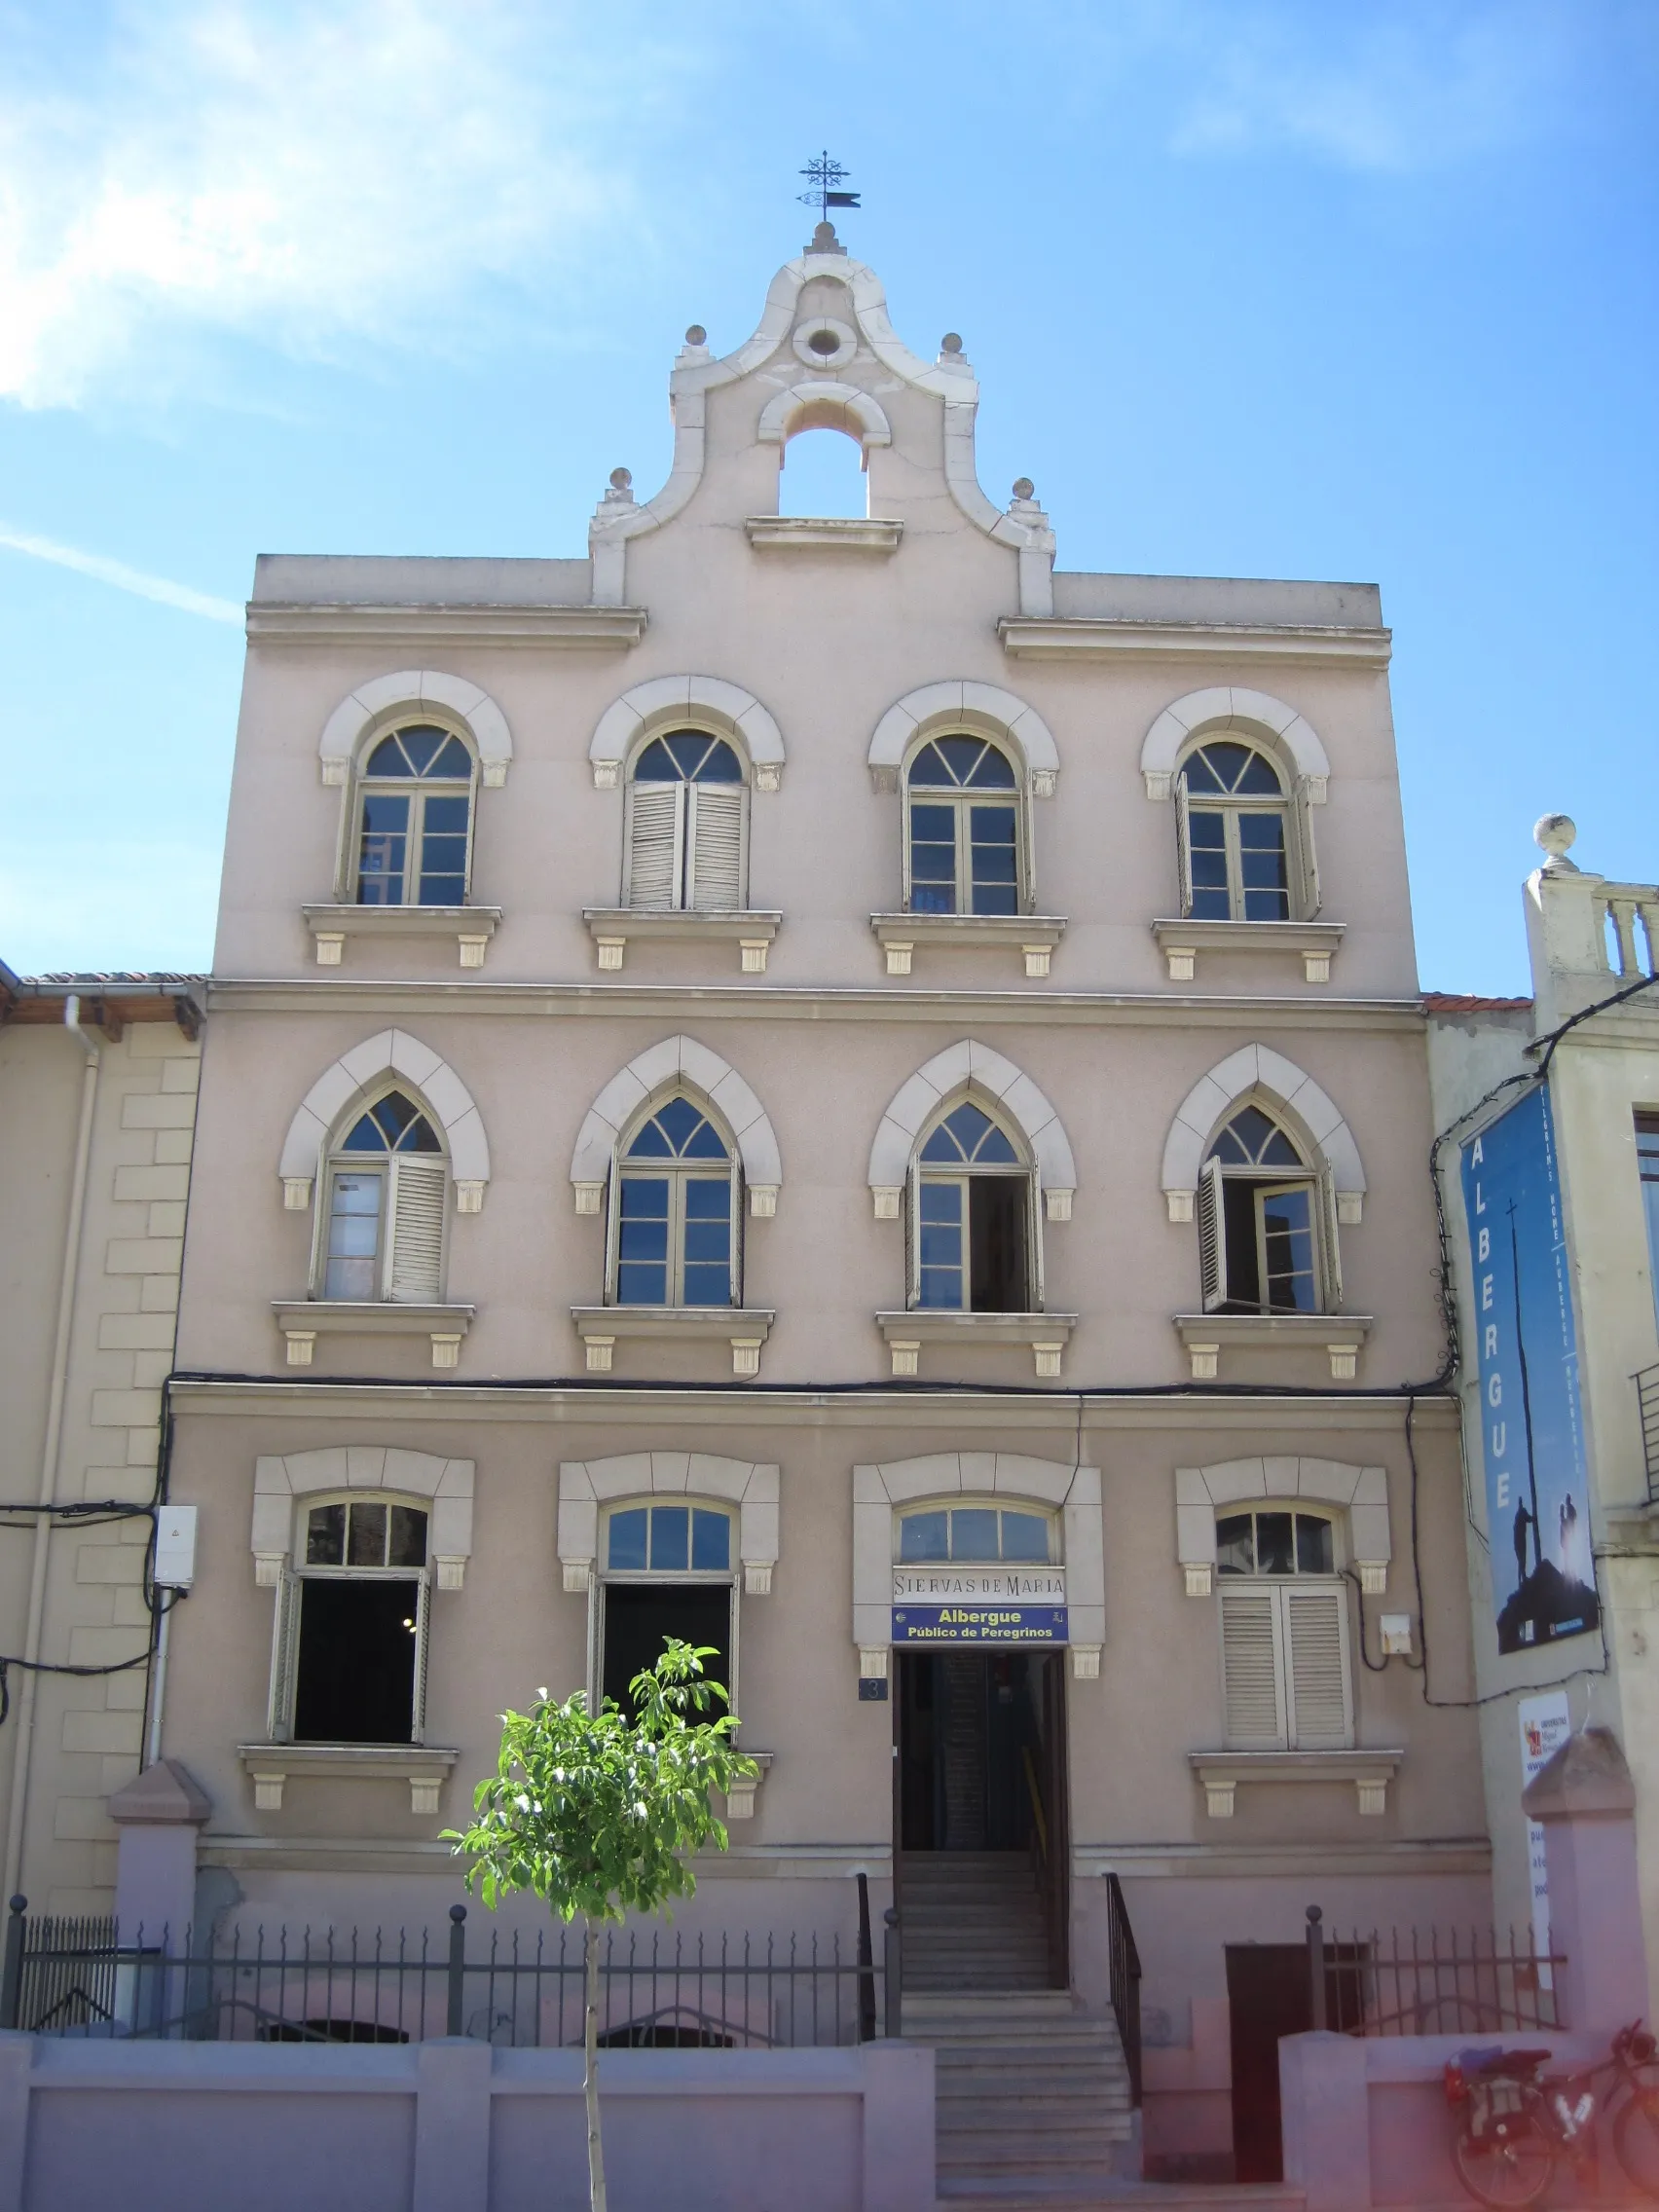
452, 2125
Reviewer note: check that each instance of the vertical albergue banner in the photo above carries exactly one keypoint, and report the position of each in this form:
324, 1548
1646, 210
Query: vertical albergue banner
1533, 1438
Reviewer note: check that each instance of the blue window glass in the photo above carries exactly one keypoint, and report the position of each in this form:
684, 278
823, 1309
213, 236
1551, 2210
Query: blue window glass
968, 1135
711, 1542
627, 1553
677, 1132
707, 1242
994, 859
963, 763
1251, 1140
923, 1536
642, 1241
1289, 1279
1207, 847
1024, 1536
940, 1268
393, 1124
412, 846
933, 860
688, 756
671, 1540
383, 849
1262, 867
974, 1532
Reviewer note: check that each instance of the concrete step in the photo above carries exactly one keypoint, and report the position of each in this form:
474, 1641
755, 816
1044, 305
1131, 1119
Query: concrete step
1106, 2192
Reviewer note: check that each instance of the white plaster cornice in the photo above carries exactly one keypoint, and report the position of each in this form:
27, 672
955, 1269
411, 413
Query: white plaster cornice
1095, 638
580, 629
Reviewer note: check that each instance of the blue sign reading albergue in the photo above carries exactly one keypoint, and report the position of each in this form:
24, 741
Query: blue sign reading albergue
1532, 1435
978, 1624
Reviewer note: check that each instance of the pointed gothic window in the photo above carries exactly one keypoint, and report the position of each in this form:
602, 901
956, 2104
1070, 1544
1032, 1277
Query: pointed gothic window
961, 830
1284, 1642
1266, 1223
1245, 852
384, 1221
971, 1218
675, 1213
687, 831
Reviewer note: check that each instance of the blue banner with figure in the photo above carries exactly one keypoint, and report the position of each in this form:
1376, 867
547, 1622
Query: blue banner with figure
1531, 1433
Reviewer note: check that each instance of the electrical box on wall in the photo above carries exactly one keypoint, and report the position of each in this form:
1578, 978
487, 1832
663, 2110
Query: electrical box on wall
175, 1547
1396, 1636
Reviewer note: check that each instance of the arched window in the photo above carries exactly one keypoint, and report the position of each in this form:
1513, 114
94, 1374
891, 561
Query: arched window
1284, 1638
688, 824
673, 1241
1238, 851
667, 1567
823, 474
971, 1217
351, 1658
1266, 1223
980, 1536
961, 830
414, 839
382, 1226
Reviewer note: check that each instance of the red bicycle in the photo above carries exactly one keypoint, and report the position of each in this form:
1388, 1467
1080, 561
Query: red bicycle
1515, 2123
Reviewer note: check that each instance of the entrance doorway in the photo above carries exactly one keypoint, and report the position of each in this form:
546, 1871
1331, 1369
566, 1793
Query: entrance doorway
979, 1817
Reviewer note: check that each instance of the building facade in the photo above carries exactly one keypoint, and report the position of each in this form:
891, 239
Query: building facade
97, 1105
1550, 1172
828, 1087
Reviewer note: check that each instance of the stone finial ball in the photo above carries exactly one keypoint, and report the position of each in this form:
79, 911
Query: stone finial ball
1555, 833
1024, 487
951, 342
621, 478
696, 335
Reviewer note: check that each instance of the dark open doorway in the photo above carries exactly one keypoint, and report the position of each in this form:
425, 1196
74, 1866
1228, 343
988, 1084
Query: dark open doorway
356, 1677
639, 1616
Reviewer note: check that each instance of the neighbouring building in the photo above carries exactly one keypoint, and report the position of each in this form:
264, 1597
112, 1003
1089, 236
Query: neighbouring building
1550, 1173
827, 1087
97, 1102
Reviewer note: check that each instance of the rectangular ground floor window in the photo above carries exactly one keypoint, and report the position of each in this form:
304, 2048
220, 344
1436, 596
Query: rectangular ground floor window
639, 1615
356, 1665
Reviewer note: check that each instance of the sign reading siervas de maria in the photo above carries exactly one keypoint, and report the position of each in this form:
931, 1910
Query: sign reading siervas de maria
1533, 1438
978, 1624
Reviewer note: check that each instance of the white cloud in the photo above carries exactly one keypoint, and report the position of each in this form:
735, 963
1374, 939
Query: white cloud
123, 578
1394, 86
314, 173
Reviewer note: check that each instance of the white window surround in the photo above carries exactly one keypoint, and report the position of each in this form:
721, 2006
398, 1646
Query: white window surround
686, 702
374, 706
444, 1488
585, 1485
678, 1064
437, 1087
1211, 712
1293, 1093
1361, 1493
982, 707
1023, 528
820, 405
879, 1491
967, 1070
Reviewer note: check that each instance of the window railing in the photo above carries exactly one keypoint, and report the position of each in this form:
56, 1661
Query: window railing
77, 1977
1125, 1969
1648, 1406
1429, 1982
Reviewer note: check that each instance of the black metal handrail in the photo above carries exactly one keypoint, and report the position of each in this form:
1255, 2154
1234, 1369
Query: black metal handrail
1125, 1982
349, 1985
1648, 1406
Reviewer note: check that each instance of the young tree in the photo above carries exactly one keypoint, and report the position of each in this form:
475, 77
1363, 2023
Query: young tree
594, 1813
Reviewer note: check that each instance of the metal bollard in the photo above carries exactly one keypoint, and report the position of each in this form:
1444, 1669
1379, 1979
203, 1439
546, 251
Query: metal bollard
457, 2022
1316, 1963
891, 1961
11, 1976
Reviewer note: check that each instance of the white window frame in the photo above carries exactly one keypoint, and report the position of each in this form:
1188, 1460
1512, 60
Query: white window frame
1301, 860
1024, 1170
685, 893
605, 1575
961, 800
1035, 1509
678, 1174
1211, 1217
1272, 1601
349, 864
386, 1165
287, 1625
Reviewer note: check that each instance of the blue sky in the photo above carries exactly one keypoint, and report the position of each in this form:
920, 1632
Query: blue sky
1252, 287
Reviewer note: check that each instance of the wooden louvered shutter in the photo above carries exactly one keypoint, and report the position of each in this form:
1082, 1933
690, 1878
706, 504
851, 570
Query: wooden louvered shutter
1315, 1644
714, 875
1183, 847
656, 834
1304, 860
1330, 1249
1213, 1236
284, 1654
417, 1232
423, 1638
1252, 1670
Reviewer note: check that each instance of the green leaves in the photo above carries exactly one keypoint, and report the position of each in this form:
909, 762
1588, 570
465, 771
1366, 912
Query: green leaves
594, 1813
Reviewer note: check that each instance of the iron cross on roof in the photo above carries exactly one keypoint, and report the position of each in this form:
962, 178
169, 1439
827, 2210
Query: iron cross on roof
823, 175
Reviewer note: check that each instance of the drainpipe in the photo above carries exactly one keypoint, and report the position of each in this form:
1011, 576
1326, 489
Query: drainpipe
24, 1708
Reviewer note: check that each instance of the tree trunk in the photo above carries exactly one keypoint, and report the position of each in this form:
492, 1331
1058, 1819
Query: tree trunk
597, 2199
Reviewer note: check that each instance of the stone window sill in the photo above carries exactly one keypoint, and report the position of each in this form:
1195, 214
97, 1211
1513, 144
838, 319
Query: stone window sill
612, 928
906, 1332
302, 1320
745, 1328
424, 1767
1206, 1334
1316, 943
1221, 1772
824, 533
1034, 935
471, 927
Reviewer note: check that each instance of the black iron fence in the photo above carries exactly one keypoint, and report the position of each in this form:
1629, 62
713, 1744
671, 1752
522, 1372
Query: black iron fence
1431, 1981
1125, 1969
656, 1990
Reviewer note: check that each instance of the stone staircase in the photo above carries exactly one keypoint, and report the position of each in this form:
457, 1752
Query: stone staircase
972, 1920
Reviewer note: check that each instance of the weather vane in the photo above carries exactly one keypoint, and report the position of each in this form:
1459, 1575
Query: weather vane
823, 175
